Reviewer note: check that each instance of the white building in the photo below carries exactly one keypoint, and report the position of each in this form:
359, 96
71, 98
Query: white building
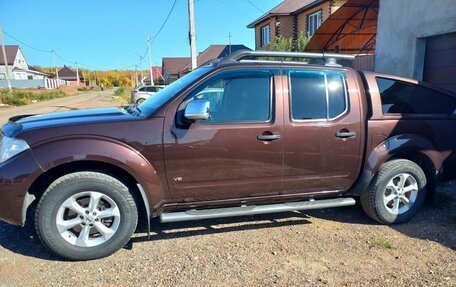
417, 39
17, 65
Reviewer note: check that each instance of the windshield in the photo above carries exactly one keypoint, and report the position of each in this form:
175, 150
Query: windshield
152, 104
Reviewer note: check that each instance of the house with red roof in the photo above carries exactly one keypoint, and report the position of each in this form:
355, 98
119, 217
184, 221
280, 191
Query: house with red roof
71, 75
174, 68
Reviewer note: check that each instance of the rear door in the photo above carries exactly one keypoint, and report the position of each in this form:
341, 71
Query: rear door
237, 152
322, 132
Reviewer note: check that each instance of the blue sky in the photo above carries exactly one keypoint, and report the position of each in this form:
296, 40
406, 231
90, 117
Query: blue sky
109, 34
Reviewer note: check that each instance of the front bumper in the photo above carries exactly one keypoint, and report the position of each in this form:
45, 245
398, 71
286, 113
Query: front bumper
16, 177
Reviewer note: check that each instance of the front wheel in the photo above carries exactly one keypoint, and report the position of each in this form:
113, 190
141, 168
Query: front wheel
396, 193
86, 215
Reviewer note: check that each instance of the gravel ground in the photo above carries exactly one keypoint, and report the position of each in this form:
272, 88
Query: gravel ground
333, 247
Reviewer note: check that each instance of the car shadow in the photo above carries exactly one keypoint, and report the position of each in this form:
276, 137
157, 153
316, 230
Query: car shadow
24, 240
435, 222
163, 231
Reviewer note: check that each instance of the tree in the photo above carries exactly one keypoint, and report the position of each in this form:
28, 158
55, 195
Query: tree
284, 44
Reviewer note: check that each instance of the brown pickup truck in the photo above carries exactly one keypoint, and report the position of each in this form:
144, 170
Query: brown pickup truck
239, 136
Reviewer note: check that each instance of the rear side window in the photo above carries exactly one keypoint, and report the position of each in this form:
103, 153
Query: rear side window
317, 95
405, 98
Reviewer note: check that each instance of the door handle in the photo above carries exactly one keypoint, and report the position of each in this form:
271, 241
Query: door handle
344, 133
268, 137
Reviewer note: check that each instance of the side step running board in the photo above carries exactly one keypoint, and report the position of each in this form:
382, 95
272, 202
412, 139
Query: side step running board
254, 209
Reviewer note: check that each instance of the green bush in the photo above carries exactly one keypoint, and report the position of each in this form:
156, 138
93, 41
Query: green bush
122, 95
20, 98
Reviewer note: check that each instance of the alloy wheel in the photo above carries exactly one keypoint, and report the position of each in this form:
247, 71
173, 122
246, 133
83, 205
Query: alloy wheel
88, 219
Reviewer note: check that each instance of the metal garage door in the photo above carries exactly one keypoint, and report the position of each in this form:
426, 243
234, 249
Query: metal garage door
440, 61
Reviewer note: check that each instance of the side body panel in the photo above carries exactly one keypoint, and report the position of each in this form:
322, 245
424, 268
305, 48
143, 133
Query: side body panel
315, 160
134, 146
216, 162
433, 136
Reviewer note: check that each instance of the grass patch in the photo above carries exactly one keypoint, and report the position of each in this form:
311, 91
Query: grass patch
89, 89
381, 243
122, 95
20, 98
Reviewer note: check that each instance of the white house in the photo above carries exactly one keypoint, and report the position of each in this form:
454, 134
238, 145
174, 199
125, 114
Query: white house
21, 74
17, 65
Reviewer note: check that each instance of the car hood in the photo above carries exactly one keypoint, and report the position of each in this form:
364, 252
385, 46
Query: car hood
28, 122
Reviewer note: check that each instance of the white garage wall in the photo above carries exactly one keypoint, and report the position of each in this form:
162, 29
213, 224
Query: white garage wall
402, 28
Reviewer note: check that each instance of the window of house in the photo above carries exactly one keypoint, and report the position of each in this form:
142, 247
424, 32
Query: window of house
30, 77
313, 23
265, 36
236, 96
2, 76
317, 95
405, 98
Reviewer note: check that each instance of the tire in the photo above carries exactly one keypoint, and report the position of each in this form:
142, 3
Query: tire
379, 201
140, 101
71, 200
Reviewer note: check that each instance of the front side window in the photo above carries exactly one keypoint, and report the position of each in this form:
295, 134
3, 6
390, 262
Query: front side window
317, 95
236, 96
265, 36
313, 23
405, 98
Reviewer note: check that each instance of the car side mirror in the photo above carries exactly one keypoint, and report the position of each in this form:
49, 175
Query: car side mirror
197, 110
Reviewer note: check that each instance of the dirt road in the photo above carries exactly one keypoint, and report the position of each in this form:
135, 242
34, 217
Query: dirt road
335, 247
83, 101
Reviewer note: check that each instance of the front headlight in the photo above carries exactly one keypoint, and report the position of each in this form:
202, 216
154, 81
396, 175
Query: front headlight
10, 147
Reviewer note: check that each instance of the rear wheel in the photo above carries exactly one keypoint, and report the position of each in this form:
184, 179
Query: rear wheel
139, 101
86, 215
396, 193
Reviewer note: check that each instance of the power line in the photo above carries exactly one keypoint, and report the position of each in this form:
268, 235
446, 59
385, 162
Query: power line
60, 57
237, 10
166, 20
251, 3
31, 47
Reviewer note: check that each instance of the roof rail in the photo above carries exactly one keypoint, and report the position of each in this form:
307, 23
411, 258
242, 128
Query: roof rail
330, 58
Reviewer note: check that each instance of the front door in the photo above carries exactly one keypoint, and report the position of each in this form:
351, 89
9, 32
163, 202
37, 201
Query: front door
323, 132
237, 152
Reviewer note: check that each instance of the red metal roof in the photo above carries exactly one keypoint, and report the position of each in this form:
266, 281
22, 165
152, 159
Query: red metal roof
11, 52
352, 29
175, 64
67, 73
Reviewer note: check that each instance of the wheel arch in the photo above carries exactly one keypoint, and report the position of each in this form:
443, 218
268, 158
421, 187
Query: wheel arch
104, 155
43, 181
415, 148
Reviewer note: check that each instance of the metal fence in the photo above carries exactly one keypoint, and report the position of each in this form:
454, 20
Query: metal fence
364, 63
35, 84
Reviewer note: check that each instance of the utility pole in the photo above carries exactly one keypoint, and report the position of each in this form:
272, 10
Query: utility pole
77, 72
150, 62
55, 65
192, 35
140, 67
229, 40
136, 75
5, 59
